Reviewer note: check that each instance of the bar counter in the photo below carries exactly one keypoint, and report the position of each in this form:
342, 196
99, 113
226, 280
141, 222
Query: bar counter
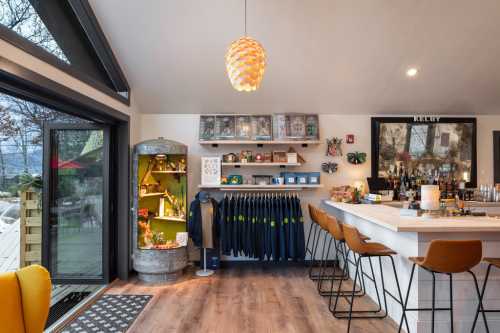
410, 237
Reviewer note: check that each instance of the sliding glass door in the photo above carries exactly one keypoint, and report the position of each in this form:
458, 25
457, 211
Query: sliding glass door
76, 203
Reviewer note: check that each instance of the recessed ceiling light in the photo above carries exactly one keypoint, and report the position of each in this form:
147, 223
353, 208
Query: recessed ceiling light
411, 72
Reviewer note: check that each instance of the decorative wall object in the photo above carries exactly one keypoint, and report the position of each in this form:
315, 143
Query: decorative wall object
329, 167
224, 127
433, 146
243, 128
295, 126
262, 127
210, 170
356, 157
334, 147
246, 156
349, 139
207, 128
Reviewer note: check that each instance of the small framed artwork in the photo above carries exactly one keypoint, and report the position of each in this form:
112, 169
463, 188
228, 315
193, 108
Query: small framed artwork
279, 127
296, 126
262, 127
268, 157
207, 128
312, 127
349, 139
210, 170
291, 158
243, 126
280, 157
224, 127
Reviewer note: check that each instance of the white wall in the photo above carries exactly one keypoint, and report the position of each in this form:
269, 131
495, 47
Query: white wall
184, 128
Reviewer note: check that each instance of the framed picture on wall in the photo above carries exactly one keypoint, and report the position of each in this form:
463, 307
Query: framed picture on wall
243, 126
224, 127
207, 128
262, 127
312, 127
210, 170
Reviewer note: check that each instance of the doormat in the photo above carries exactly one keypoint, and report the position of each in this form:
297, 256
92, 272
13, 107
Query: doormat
110, 313
64, 305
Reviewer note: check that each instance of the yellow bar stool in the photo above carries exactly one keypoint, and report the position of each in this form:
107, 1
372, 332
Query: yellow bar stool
492, 262
445, 257
366, 250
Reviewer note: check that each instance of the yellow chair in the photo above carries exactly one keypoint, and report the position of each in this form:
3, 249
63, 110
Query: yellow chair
25, 300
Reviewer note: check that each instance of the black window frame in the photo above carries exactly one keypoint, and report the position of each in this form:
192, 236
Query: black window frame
86, 19
21, 82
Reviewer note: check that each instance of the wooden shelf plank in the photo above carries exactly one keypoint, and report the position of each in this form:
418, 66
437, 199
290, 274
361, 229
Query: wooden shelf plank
169, 218
168, 172
260, 164
151, 195
260, 142
261, 187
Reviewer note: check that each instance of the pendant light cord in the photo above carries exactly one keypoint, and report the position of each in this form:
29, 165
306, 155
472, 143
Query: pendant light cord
245, 18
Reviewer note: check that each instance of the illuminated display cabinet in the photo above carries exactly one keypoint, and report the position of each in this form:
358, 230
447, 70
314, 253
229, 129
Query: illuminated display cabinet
160, 209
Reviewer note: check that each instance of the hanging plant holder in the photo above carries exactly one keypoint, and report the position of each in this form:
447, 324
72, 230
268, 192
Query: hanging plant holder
356, 157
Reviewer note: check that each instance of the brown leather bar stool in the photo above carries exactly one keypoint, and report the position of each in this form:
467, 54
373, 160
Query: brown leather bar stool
337, 237
313, 214
319, 216
492, 262
366, 250
445, 257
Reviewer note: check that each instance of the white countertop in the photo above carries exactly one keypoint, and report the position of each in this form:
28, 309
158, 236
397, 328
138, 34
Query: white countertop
390, 218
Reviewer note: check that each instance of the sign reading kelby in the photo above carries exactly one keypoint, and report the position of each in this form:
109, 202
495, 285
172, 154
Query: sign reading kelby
426, 119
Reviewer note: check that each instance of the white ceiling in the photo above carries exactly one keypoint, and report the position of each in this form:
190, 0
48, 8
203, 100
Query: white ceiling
324, 56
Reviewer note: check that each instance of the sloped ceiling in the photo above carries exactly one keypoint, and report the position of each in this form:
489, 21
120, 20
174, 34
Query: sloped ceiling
324, 56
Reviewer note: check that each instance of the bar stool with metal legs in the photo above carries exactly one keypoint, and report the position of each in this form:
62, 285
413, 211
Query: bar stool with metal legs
313, 228
337, 237
492, 262
320, 217
366, 250
445, 257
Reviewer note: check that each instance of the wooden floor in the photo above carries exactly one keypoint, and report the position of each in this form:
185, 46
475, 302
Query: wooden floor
242, 299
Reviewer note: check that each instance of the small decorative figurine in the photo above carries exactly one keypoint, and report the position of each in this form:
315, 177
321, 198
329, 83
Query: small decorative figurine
334, 147
229, 158
329, 167
349, 139
356, 157
259, 158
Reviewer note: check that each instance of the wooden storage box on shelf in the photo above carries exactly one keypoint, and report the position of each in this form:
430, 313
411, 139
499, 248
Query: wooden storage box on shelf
30, 228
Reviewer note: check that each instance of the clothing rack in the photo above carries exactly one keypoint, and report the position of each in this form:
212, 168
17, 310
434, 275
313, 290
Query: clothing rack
265, 226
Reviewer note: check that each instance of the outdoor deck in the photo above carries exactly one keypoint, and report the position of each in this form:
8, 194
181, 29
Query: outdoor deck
9, 248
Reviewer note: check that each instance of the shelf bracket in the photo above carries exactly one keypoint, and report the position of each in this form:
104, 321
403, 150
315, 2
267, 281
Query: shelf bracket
304, 145
260, 145
215, 145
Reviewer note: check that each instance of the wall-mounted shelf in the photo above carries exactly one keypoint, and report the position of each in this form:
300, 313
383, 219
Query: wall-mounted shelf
167, 172
260, 164
169, 218
252, 187
304, 143
147, 195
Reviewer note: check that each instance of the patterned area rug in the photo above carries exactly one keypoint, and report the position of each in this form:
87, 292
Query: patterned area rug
110, 313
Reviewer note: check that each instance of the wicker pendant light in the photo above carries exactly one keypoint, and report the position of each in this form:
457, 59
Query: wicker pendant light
245, 62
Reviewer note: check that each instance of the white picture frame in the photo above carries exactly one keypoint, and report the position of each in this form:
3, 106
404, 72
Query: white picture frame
210, 171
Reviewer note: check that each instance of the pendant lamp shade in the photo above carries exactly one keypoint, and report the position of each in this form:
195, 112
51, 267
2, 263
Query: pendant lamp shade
245, 64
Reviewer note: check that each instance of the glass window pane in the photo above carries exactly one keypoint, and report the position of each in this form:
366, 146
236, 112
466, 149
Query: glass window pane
21, 17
